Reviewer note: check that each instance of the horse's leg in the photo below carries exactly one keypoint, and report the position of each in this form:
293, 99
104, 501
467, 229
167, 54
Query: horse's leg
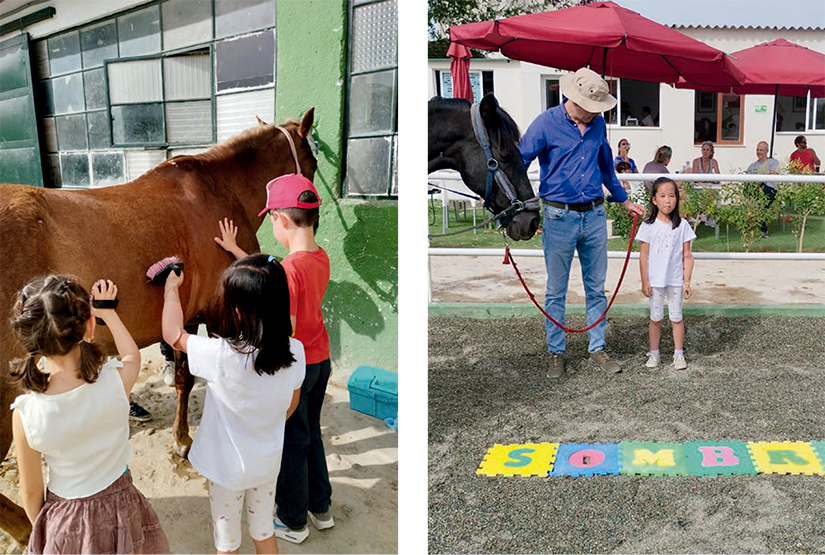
15, 522
183, 385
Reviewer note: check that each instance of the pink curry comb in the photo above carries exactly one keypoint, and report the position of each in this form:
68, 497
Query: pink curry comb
159, 271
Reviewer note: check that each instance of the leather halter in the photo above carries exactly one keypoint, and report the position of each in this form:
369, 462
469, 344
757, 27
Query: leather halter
292, 148
500, 177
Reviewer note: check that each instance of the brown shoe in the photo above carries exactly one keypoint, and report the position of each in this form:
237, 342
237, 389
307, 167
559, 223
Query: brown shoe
556, 369
607, 364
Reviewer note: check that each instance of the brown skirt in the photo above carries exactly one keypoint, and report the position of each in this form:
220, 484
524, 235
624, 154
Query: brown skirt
118, 519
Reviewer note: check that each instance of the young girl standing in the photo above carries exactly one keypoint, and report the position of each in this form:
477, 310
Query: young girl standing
666, 265
253, 371
76, 415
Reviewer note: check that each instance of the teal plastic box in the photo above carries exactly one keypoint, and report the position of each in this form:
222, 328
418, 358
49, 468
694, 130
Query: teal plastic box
374, 391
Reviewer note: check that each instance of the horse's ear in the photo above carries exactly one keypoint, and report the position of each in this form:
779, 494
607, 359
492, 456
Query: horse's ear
306, 123
260, 121
488, 107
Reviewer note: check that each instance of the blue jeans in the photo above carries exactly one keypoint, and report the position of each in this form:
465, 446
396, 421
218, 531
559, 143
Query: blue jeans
564, 232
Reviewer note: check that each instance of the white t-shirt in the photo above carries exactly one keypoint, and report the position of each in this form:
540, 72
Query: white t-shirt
664, 263
82, 433
241, 435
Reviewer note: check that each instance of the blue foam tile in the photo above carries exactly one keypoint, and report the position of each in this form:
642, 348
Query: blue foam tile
586, 459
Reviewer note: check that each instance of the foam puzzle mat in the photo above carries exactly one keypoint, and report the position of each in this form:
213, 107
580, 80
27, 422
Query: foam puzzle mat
653, 458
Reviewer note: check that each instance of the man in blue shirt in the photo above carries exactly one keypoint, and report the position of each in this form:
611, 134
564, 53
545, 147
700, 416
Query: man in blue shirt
570, 143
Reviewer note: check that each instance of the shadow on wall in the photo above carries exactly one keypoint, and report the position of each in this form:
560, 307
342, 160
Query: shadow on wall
371, 247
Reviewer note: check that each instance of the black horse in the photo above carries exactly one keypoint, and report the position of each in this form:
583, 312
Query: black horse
453, 145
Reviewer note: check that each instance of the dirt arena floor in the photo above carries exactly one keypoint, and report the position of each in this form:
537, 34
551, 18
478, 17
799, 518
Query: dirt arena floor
749, 379
362, 456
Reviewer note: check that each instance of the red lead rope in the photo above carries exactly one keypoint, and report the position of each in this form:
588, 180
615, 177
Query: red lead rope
508, 259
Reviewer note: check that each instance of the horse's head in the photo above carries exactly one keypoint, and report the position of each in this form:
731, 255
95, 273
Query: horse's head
453, 144
301, 135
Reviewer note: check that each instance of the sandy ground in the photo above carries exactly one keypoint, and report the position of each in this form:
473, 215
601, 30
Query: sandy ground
362, 456
715, 282
748, 379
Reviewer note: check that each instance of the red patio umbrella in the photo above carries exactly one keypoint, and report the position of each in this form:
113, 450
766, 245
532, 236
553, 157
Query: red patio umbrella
777, 67
605, 37
460, 70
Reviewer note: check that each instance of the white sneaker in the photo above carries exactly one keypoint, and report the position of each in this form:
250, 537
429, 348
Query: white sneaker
679, 362
652, 360
169, 373
286, 533
321, 521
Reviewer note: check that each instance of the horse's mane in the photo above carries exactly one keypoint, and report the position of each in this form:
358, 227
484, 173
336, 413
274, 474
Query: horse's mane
246, 140
508, 131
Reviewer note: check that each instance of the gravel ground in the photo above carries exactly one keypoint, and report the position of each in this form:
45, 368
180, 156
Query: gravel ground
749, 379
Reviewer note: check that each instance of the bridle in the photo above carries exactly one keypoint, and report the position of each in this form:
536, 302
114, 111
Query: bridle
292, 148
505, 216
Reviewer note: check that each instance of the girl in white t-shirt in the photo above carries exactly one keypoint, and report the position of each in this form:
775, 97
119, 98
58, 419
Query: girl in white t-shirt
253, 371
76, 416
666, 265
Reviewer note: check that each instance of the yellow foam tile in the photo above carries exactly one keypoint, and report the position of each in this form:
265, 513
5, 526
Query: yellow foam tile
784, 457
519, 459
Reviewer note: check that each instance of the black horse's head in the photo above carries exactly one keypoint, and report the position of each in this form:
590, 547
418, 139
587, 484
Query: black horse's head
453, 145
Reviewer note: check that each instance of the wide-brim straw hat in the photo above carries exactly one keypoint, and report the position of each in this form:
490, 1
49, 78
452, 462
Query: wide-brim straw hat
588, 90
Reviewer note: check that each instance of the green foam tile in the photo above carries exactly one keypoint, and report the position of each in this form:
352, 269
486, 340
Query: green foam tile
649, 458
718, 458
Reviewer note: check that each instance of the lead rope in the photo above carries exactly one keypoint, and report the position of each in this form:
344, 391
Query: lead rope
292, 148
508, 259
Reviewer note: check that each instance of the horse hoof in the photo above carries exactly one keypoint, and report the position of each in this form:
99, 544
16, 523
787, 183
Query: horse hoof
182, 450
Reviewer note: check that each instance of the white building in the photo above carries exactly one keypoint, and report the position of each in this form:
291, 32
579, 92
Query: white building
683, 118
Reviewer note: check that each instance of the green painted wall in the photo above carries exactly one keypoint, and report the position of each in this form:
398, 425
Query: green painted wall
361, 237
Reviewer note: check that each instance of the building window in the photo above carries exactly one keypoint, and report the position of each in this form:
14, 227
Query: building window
638, 103
372, 108
552, 92
718, 117
480, 81
817, 114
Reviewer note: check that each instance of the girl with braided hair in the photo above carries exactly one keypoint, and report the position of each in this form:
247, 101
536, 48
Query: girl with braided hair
75, 414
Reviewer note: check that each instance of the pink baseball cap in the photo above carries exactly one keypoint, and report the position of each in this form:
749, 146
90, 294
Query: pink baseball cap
283, 192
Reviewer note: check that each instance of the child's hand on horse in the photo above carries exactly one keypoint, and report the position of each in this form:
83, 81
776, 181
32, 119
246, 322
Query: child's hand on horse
228, 234
103, 290
174, 281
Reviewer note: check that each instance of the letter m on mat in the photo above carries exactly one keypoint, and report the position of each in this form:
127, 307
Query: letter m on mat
645, 457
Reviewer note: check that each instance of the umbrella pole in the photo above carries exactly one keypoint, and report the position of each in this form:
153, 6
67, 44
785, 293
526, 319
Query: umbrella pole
773, 126
604, 61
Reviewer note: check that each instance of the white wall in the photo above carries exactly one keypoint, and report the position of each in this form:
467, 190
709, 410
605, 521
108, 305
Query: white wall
518, 87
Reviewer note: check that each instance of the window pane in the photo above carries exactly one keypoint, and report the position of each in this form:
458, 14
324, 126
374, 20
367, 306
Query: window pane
394, 190
68, 94
15, 120
139, 162
731, 117
187, 76
98, 43
368, 165
139, 32
64, 53
71, 132
94, 86
186, 22
818, 115
790, 113
13, 72
74, 169
189, 122
99, 137
639, 101
704, 117
552, 93
107, 168
375, 36
137, 81
236, 112
246, 62
372, 103
137, 123
234, 17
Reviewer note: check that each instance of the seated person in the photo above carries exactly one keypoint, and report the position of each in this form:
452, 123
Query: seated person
623, 150
659, 163
804, 159
647, 119
706, 163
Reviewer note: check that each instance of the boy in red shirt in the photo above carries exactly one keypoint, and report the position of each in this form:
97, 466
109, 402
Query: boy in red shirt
303, 482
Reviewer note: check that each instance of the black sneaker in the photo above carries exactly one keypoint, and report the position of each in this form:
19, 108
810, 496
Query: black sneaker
138, 413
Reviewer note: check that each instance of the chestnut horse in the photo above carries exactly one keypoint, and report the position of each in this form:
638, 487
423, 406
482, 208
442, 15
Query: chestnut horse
118, 232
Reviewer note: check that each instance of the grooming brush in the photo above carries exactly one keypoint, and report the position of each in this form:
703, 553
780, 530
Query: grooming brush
159, 271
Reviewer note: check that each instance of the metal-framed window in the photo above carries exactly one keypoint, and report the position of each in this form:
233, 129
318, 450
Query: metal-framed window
718, 117
638, 103
372, 100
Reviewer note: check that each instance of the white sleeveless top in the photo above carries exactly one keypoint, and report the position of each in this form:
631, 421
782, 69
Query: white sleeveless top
82, 433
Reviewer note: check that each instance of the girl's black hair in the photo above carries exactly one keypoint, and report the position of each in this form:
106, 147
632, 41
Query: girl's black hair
49, 319
675, 218
252, 311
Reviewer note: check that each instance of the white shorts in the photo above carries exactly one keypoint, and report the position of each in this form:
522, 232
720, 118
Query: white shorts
674, 303
227, 510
